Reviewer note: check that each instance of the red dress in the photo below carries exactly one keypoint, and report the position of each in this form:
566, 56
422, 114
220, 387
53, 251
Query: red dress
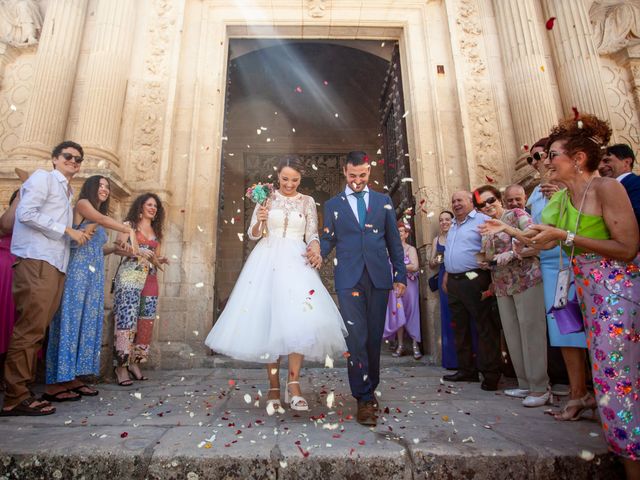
7, 307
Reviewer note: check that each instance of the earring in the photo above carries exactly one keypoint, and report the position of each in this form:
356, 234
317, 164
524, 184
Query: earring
578, 169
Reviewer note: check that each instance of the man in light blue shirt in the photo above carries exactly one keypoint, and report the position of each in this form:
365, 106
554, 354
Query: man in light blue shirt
465, 282
41, 237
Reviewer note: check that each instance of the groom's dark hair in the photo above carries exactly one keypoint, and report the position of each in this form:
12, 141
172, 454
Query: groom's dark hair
356, 158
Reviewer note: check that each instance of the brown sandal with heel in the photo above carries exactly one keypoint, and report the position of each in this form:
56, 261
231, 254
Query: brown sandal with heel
588, 402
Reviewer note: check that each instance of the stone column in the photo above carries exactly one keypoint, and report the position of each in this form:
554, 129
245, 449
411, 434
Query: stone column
101, 105
576, 58
55, 72
526, 76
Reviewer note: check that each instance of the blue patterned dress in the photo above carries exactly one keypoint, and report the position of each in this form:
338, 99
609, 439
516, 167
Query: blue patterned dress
75, 334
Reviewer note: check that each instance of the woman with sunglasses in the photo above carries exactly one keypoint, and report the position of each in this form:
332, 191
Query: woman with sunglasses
572, 345
75, 333
517, 284
593, 219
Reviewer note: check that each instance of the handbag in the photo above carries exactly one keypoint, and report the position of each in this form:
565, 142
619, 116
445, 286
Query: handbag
568, 318
433, 282
567, 313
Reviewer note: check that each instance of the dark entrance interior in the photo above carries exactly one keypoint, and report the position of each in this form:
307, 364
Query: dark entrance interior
315, 99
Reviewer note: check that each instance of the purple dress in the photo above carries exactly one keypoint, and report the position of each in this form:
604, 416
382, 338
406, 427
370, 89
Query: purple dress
404, 311
7, 308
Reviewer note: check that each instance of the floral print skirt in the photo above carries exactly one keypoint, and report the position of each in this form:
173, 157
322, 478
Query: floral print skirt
134, 312
609, 294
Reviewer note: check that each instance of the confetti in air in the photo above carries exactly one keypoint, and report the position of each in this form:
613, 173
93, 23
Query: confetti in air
550, 23
199, 285
13, 107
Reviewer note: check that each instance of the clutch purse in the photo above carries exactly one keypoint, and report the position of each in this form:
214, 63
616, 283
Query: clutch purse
433, 282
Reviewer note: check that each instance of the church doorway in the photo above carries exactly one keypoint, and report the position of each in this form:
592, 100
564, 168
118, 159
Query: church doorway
317, 100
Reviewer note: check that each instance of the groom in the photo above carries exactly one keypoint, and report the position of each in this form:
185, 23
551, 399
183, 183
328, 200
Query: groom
361, 225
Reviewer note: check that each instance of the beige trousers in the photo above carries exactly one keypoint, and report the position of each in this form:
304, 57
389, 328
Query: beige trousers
37, 291
524, 324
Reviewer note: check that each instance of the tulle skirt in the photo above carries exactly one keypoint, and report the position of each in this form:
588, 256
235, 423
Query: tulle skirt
278, 306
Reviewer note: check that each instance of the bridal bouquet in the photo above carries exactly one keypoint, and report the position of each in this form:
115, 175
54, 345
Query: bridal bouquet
259, 193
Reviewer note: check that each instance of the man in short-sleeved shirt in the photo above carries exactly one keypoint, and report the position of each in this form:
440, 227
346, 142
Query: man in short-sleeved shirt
465, 283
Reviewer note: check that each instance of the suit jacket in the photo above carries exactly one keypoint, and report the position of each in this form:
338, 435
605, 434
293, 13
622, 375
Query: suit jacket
631, 183
359, 247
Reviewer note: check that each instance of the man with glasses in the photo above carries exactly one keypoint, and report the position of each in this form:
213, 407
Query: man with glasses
466, 283
41, 240
618, 163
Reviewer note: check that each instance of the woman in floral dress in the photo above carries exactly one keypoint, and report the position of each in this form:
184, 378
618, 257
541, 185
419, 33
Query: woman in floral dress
136, 289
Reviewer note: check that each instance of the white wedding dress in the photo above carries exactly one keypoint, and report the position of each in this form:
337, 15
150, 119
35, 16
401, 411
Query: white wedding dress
279, 304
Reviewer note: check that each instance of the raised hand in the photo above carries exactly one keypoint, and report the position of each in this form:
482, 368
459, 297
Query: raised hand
545, 236
492, 226
548, 189
263, 213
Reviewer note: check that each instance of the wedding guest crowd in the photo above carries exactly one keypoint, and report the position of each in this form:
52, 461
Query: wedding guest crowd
576, 245
57, 281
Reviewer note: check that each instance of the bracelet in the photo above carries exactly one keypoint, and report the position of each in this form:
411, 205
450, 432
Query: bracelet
570, 237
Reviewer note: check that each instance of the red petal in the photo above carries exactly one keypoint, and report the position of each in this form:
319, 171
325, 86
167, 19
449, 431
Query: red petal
124, 435
576, 113
550, 23
489, 179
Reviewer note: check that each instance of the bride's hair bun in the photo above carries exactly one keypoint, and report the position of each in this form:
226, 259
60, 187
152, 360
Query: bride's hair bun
291, 161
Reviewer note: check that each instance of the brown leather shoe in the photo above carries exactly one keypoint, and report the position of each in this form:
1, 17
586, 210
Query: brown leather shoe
367, 414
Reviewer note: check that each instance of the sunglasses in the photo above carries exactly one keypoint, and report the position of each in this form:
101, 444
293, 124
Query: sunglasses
488, 201
67, 156
536, 156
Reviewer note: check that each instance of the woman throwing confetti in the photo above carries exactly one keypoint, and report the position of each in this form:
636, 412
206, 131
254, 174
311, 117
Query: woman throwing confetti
593, 221
279, 306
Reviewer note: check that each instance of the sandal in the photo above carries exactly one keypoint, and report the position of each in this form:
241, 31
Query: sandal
140, 378
27, 409
123, 383
274, 402
55, 397
588, 402
296, 402
85, 391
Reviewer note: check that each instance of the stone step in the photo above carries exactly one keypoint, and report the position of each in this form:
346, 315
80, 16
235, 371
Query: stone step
197, 424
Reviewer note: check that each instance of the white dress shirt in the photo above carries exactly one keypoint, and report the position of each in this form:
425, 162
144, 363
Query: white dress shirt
621, 177
43, 214
353, 200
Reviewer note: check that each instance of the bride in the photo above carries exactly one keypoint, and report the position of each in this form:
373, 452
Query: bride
279, 305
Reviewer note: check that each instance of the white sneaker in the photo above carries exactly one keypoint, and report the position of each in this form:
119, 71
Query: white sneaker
516, 392
543, 399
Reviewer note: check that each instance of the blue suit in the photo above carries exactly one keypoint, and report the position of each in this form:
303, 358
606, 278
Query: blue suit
631, 184
363, 280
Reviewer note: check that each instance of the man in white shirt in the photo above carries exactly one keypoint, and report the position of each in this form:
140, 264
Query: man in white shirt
41, 238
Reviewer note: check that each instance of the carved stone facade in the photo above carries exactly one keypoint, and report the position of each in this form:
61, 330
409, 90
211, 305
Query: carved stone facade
155, 118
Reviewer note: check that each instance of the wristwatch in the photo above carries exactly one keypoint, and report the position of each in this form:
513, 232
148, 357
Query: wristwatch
569, 240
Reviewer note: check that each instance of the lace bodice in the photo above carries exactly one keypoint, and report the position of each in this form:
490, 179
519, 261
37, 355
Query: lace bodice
289, 217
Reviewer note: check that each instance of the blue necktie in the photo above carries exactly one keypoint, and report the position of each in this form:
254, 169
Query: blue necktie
362, 207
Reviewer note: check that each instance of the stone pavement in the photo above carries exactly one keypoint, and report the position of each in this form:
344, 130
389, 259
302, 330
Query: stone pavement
211, 423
